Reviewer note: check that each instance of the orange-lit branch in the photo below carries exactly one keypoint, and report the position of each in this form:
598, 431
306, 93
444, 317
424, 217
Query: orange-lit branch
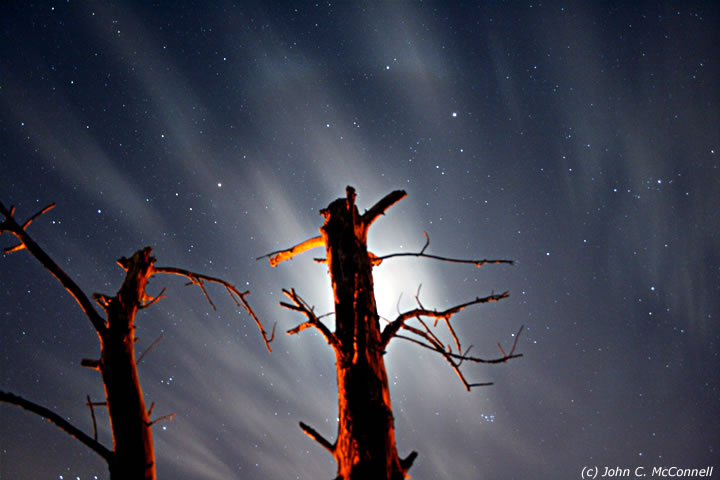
164, 417
237, 296
299, 305
10, 225
379, 208
312, 433
282, 255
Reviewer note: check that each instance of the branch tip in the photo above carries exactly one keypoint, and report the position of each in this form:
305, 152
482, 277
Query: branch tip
312, 433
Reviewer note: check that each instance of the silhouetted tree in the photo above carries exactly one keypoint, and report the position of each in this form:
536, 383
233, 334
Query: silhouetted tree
132, 456
365, 445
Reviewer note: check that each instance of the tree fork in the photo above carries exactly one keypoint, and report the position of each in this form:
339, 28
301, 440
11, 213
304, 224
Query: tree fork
132, 456
365, 446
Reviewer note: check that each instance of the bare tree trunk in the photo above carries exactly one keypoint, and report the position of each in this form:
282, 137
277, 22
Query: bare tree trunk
132, 456
133, 453
365, 446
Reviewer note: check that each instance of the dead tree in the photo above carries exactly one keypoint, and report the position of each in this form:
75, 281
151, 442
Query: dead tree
132, 455
365, 445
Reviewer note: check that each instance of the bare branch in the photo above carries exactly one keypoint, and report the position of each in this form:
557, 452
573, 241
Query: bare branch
421, 253
439, 349
435, 344
452, 332
44, 210
10, 225
152, 301
456, 356
92, 415
398, 323
299, 328
312, 433
299, 305
512, 350
147, 350
90, 363
379, 208
102, 300
164, 417
60, 422
452, 357
407, 462
16, 248
282, 255
237, 296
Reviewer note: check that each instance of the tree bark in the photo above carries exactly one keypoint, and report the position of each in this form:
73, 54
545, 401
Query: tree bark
365, 446
133, 454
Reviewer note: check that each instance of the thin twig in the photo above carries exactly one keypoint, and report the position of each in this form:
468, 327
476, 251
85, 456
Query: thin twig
44, 210
92, 415
422, 254
503, 359
147, 350
164, 417
397, 324
153, 300
512, 350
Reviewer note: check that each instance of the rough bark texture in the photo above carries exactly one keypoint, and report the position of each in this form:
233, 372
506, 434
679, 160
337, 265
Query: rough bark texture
133, 453
365, 446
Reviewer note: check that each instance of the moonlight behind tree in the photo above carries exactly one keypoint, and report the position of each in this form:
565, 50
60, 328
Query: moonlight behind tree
365, 445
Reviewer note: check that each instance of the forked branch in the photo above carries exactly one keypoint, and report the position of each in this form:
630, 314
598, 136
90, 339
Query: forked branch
455, 359
237, 296
299, 305
60, 422
391, 330
426, 338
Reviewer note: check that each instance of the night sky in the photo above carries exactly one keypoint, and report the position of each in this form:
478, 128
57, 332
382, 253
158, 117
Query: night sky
579, 139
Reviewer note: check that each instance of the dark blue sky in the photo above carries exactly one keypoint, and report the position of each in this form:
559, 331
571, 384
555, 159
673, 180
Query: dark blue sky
579, 139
